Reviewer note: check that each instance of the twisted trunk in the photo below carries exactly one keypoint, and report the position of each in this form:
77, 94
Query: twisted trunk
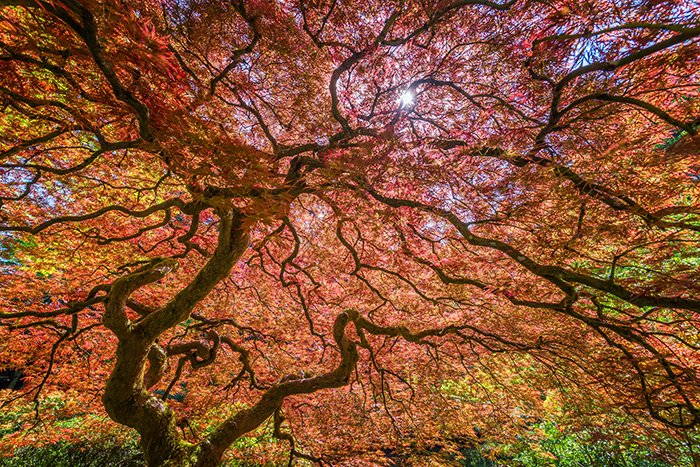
126, 396
139, 359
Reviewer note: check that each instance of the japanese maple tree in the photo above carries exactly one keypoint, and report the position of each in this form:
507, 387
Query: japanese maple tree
366, 223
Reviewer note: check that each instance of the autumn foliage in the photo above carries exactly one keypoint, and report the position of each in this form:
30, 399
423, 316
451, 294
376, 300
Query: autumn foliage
370, 226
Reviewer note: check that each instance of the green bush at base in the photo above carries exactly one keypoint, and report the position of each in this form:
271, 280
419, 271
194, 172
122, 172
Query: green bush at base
76, 455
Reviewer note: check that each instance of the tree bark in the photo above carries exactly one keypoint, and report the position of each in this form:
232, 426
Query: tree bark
126, 398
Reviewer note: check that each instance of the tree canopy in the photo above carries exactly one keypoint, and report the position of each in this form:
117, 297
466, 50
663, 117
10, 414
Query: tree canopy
364, 224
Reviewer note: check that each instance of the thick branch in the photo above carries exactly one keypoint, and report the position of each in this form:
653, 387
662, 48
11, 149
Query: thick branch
247, 420
554, 274
232, 242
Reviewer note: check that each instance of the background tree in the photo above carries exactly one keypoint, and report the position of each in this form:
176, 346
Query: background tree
370, 223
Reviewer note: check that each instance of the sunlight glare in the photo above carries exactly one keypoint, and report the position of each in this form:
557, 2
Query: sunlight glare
406, 98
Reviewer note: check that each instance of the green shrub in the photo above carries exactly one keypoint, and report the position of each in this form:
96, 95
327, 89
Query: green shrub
62, 454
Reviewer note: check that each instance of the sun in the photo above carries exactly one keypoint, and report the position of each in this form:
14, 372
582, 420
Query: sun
407, 98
